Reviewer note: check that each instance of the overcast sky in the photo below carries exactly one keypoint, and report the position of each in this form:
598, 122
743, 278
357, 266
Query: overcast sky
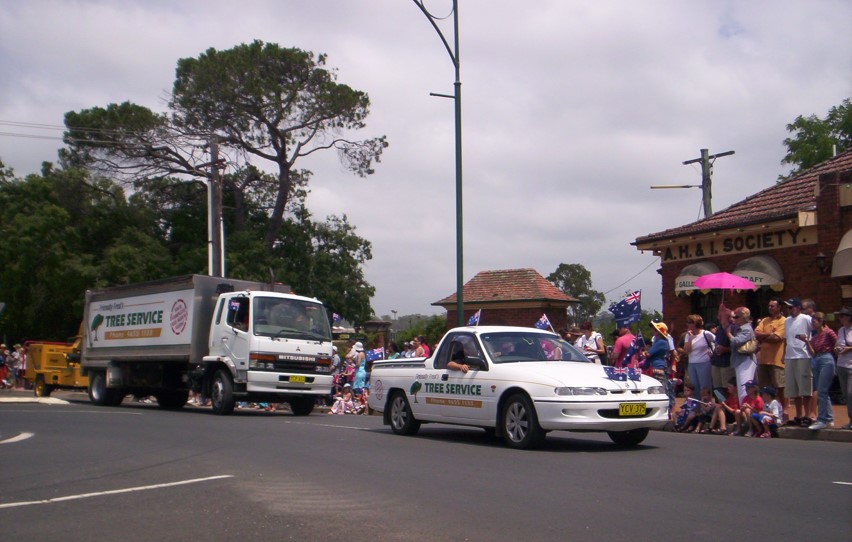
571, 110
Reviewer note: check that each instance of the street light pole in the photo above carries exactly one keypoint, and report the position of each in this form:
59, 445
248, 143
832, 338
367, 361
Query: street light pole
456, 96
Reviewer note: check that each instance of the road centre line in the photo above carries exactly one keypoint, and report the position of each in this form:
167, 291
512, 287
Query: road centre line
22, 436
114, 491
843, 483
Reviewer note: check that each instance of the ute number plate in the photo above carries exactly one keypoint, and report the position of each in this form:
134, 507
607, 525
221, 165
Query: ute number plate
631, 409
297, 378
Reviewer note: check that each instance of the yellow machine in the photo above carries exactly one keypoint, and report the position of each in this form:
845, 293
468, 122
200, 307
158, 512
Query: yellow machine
53, 366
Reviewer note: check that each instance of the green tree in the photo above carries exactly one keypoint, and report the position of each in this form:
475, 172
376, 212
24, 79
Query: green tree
261, 101
277, 104
814, 138
576, 281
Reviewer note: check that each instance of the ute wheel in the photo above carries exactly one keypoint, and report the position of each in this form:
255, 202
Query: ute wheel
172, 399
222, 393
301, 406
520, 426
40, 388
628, 438
402, 420
97, 388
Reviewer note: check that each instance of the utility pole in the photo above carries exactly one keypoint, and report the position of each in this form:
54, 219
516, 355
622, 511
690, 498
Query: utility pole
706, 186
214, 225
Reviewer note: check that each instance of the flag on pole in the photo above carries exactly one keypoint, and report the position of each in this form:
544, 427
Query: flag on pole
374, 354
543, 322
474, 319
628, 310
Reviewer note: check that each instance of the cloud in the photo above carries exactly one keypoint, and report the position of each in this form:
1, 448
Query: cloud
571, 110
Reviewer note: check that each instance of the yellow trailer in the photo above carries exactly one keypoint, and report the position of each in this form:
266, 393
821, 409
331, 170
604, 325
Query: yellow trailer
53, 366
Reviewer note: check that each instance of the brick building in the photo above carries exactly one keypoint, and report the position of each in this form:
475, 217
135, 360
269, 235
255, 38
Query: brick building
791, 239
511, 297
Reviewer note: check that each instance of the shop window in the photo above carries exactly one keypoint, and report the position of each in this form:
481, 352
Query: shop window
706, 305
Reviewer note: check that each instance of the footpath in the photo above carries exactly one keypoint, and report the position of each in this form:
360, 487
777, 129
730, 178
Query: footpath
834, 434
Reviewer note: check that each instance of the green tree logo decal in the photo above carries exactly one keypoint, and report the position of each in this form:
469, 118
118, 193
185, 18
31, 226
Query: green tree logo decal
96, 323
415, 388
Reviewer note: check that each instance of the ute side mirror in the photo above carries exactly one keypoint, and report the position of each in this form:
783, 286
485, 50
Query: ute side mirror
476, 362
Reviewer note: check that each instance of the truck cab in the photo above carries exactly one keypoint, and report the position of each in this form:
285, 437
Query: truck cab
268, 346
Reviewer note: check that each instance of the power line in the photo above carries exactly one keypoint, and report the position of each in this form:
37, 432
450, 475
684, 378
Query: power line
633, 277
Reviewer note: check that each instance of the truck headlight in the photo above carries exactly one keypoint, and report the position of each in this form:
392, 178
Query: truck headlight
580, 391
657, 390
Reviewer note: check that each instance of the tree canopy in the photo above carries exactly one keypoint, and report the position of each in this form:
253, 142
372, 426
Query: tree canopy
814, 139
575, 280
262, 102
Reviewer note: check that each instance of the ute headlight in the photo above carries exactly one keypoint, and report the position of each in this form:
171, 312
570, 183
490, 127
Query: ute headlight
580, 391
657, 390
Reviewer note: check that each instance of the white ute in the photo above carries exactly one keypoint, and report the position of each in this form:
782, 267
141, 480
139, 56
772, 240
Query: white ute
521, 383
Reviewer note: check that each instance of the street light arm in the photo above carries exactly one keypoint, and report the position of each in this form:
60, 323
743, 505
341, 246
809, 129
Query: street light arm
419, 4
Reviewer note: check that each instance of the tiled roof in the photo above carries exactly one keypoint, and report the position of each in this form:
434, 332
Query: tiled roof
782, 200
507, 285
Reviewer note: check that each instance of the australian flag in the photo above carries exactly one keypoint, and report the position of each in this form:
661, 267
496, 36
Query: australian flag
474, 319
616, 373
374, 354
336, 318
543, 322
636, 346
634, 373
628, 310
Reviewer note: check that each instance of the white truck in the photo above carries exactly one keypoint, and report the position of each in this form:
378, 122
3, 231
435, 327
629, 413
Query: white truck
231, 340
518, 383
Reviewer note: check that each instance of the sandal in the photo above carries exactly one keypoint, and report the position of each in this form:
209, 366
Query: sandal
806, 422
765, 435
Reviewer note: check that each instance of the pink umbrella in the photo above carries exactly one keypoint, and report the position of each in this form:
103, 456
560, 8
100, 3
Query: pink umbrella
723, 281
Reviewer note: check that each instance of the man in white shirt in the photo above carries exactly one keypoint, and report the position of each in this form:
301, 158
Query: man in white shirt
797, 360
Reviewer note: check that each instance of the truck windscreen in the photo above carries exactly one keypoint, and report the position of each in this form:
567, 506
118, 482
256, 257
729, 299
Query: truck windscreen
290, 318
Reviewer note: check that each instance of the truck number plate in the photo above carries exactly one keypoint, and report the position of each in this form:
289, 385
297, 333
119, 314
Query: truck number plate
631, 409
297, 378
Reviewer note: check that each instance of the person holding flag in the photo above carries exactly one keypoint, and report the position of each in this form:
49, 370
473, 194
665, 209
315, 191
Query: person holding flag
624, 350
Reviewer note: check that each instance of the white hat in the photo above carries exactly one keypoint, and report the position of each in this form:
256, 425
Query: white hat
334, 348
359, 347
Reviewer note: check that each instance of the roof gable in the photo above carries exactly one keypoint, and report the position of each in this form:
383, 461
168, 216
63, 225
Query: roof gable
507, 285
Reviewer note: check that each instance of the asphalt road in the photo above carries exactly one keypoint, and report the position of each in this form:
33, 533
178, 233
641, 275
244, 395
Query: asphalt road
138, 473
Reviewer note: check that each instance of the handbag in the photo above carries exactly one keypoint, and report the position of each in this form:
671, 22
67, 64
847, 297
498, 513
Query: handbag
748, 347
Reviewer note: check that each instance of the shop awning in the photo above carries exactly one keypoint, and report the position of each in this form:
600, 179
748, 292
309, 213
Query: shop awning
684, 281
841, 265
764, 271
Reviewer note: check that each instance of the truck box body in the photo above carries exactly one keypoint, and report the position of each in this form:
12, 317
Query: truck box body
164, 320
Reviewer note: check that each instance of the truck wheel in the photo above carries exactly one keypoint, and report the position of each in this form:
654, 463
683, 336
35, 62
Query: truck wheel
40, 389
97, 388
301, 406
402, 420
520, 423
628, 438
222, 393
172, 399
